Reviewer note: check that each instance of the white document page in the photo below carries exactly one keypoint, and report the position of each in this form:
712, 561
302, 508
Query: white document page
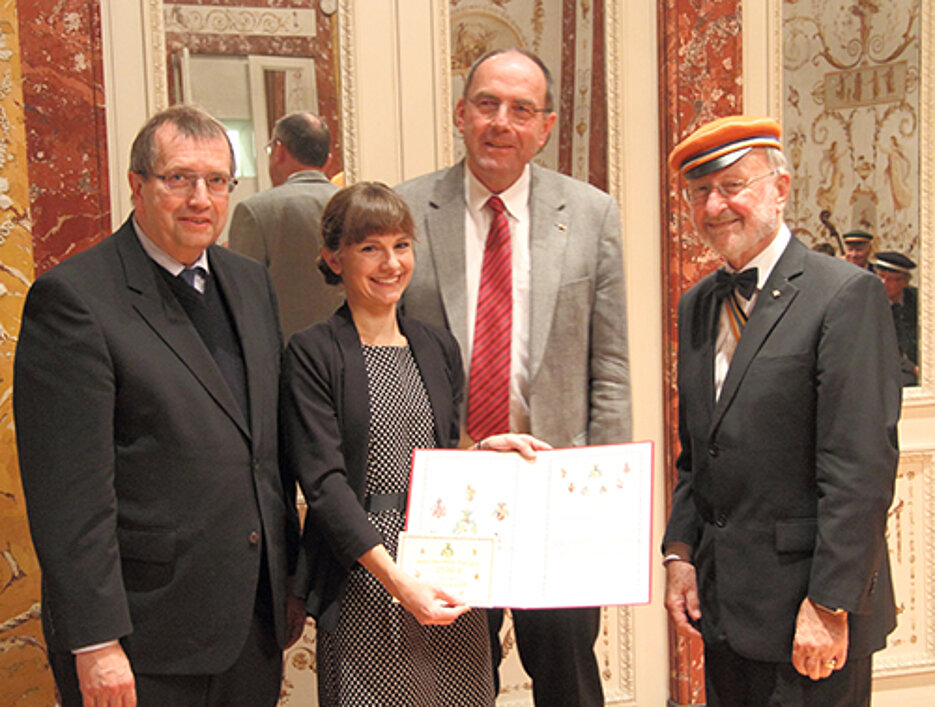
572, 528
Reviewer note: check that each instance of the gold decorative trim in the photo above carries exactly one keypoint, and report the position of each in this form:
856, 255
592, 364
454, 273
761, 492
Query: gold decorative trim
347, 50
154, 52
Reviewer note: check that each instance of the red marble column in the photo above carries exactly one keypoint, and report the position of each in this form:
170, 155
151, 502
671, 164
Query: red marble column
700, 71
63, 94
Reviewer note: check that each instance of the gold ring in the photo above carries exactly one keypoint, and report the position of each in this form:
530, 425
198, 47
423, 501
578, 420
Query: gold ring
831, 663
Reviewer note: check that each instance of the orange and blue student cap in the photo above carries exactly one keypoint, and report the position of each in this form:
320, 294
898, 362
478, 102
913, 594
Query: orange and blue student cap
722, 142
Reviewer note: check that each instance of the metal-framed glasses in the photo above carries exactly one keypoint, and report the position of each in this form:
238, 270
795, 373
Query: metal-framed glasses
697, 194
518, 112
186, 182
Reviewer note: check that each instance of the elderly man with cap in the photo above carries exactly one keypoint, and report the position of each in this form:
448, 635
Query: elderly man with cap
789, 397
895, 270
857, 248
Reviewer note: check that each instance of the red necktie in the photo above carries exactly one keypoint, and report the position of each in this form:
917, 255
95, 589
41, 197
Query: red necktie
488, 410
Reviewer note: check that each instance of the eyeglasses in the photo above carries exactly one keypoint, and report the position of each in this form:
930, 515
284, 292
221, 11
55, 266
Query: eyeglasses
729, 188
519, 113
186, 182
270, 144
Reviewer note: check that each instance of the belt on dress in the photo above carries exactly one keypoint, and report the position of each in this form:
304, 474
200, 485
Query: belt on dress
379, 502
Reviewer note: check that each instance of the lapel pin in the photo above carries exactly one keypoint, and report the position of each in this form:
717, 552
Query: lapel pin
776, 294
561, 227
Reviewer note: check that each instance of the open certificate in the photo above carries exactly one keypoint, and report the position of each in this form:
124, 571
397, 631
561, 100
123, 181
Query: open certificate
572, 528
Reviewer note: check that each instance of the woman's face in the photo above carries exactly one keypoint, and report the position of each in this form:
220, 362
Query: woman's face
376, 271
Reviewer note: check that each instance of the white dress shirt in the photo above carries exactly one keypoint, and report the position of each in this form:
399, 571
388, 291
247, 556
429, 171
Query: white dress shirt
764, 263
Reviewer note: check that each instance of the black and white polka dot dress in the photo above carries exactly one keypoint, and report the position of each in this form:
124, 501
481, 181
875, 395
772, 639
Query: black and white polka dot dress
379, 655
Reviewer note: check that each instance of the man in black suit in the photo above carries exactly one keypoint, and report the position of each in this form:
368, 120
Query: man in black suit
789, 398
145, 396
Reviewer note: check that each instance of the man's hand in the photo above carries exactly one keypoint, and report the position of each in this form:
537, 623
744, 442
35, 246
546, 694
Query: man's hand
526, 445
682, 596
820, 643
105, 677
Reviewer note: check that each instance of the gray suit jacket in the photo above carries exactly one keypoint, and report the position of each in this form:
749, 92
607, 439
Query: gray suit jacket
281, 229
579, 389
785, 481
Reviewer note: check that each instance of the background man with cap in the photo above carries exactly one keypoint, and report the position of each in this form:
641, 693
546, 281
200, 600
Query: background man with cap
280, 227
895, 270
789, 398
559, 368
857, 246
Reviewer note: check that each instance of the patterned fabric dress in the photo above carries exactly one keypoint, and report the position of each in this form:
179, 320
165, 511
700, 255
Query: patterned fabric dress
379, 655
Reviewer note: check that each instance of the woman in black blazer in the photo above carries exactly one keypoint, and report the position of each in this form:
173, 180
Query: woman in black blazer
360, 392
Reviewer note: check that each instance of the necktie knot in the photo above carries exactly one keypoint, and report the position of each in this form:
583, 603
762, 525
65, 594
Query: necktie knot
744, 282
193, 276
496, 204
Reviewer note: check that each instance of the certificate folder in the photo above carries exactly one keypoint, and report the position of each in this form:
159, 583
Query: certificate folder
572, 528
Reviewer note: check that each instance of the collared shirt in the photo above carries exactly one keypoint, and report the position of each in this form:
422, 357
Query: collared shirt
477, 219
166, 261
764, 262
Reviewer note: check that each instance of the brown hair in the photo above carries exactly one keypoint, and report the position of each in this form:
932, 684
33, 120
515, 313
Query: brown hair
190, 121
358, 211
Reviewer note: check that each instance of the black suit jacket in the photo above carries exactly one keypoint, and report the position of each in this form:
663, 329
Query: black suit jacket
325, 411
149, 497
784, 483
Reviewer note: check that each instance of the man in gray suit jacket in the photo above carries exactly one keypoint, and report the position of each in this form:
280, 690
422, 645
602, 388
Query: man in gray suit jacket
280, 227
789, 394
569, 381
145, 395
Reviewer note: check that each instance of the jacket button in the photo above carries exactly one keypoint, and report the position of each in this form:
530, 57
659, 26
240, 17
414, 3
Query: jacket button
721, 520
254, 538
713, 450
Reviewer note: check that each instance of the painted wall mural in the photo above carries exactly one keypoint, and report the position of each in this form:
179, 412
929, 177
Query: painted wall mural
851, 81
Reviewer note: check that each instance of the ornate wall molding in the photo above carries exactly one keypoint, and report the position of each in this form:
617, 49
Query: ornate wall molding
154, 50
261, 21
910, 535
348, 71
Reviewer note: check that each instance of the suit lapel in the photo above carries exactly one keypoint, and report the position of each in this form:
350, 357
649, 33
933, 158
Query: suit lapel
548, 234
249, 342
772, 303
445, 221
150, 297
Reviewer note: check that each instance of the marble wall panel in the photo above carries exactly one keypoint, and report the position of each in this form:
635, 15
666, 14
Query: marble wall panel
700, 75
65, 126
25, 678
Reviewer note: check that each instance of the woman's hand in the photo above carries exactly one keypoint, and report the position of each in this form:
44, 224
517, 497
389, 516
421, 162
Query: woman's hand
429, 605
526, 445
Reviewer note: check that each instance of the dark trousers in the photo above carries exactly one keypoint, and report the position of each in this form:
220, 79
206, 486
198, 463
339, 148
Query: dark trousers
734, 681
556, 648
252, 681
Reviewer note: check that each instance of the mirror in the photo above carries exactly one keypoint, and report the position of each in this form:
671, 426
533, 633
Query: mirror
852, 102
248, 66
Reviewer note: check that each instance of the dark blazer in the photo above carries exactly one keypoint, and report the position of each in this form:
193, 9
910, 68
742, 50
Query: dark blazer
784, 483
325, 415
150, 498
281, 228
